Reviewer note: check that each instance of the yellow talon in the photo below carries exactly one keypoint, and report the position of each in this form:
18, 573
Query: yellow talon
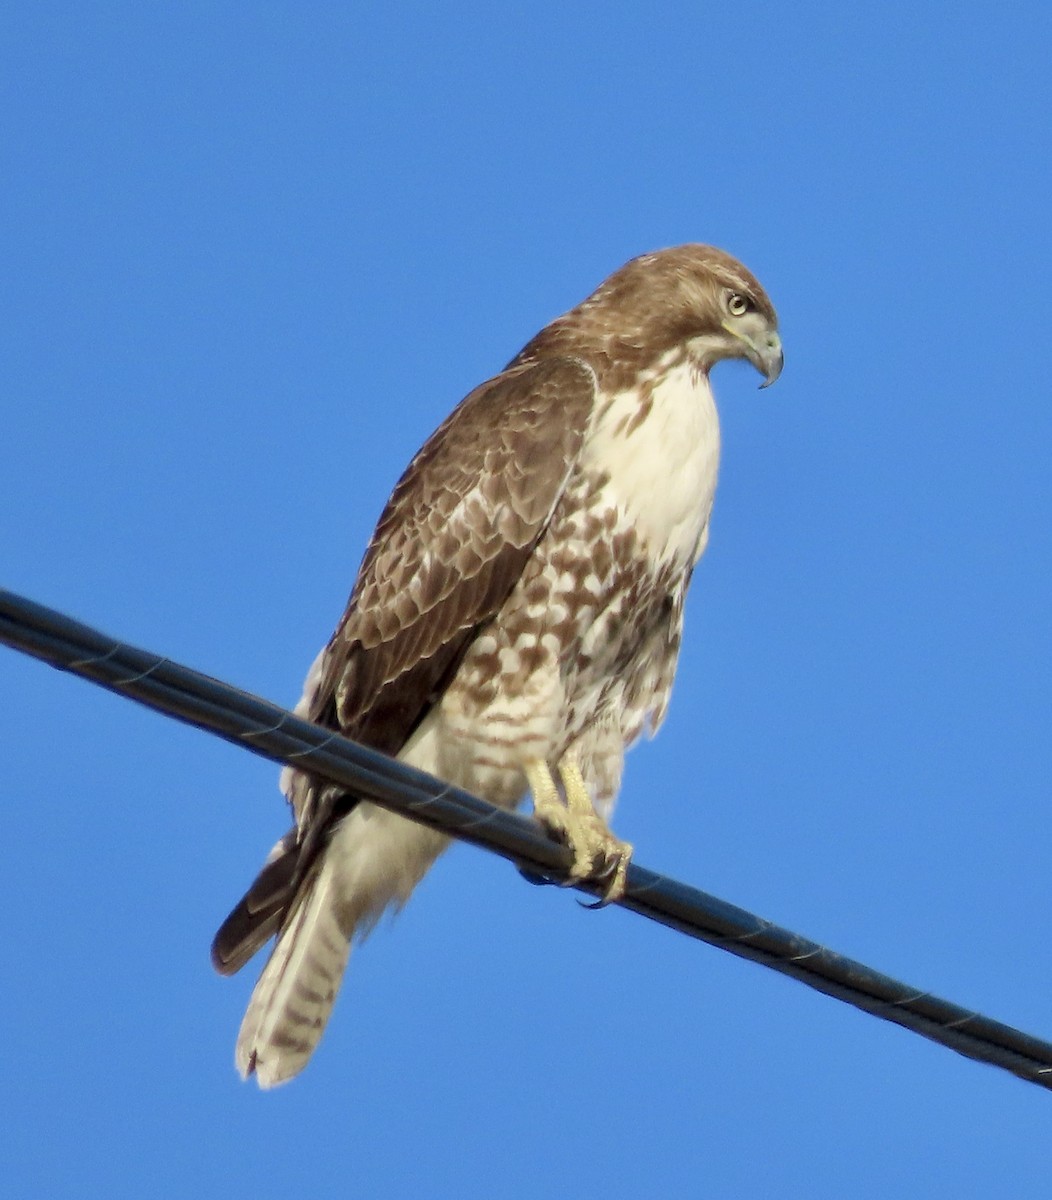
599, 856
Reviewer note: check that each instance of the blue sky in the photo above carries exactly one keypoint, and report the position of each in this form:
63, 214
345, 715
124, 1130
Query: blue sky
252, 256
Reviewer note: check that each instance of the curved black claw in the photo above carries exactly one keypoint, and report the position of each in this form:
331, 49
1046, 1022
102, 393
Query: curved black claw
608, 876
537, 879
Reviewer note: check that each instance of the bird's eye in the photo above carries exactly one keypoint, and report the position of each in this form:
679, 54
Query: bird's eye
737, 304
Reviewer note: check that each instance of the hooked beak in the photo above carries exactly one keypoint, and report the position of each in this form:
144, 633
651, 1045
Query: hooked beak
764, 351
769, 359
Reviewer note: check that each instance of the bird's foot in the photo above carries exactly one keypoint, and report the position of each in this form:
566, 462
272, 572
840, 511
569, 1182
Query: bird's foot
598, 855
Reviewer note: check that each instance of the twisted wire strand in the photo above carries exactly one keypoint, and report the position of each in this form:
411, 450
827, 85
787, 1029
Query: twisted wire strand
274, 733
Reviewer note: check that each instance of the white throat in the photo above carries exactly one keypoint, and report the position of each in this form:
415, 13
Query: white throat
660, 444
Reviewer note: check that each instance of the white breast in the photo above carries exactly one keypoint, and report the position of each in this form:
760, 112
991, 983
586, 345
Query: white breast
662, 466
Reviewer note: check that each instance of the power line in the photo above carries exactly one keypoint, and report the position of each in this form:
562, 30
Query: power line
274, 733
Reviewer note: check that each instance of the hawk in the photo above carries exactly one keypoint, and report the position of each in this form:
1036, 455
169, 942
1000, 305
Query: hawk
516, 619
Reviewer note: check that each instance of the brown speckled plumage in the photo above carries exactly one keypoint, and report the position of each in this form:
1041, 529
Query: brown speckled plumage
521, 600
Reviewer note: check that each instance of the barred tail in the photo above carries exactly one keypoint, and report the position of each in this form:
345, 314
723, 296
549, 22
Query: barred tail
372, 862
292, 1001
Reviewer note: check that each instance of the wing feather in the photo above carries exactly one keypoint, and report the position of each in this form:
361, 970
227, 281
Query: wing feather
450, 546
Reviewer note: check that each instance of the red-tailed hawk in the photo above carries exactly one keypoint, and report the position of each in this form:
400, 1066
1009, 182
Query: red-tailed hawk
516, 619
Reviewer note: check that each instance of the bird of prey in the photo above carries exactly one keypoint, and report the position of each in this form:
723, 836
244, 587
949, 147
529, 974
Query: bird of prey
516, 619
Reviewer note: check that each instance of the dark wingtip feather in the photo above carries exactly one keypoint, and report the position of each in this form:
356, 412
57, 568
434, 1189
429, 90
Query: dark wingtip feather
260, 912
241, 935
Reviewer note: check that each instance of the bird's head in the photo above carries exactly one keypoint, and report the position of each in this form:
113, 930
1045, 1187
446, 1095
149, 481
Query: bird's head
693, 298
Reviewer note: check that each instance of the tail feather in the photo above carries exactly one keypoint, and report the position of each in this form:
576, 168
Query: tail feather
292, 1001
371, 862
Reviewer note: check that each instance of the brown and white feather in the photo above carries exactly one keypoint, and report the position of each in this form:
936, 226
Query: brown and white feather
521, 598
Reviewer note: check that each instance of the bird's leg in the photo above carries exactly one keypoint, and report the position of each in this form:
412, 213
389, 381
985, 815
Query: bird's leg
598, 854
548, 807
606, 856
